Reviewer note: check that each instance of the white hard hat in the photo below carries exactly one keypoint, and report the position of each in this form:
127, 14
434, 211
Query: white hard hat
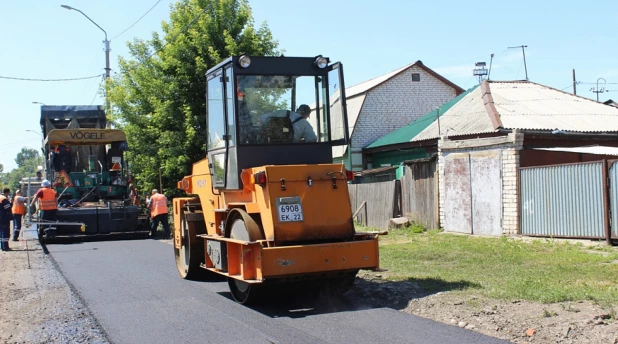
45, 183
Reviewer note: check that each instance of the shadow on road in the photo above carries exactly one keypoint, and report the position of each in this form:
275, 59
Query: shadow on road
297, 301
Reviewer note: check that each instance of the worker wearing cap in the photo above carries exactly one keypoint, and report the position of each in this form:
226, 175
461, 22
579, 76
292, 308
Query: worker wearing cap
48, 205
5, 219
157, 204
18, 209
303, 131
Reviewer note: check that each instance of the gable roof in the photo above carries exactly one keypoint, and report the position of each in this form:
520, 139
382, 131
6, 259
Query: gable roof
370, 84
355, 95
409, 132
526, 105
522, 105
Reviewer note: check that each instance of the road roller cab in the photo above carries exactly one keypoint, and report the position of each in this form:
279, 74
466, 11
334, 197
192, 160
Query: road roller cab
267, 203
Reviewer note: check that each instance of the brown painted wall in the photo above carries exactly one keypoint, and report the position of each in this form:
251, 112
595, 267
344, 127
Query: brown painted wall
530, 157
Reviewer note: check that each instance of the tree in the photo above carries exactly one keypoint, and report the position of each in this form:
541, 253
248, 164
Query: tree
3, 181
159, 97
27, 161
25, 155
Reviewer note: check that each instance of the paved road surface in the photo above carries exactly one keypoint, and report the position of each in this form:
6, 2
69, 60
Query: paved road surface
133, 289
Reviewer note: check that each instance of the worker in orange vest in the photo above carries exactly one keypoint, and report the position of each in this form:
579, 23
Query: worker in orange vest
19, 209
157, 204
48, 205
5, 219
133, 193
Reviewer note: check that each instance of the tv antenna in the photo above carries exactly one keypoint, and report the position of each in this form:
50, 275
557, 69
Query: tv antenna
490, 61
524, 53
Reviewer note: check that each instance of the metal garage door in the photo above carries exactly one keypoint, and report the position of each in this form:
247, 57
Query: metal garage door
473, 192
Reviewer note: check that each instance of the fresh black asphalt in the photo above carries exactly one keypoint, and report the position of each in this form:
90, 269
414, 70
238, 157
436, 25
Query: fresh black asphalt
134, 291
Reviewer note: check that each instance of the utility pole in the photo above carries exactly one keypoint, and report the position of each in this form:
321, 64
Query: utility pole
574, 83
107, 69
597, 90
524, 53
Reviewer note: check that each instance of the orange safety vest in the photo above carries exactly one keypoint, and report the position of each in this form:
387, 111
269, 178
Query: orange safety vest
19, 208
158, 205
48, 201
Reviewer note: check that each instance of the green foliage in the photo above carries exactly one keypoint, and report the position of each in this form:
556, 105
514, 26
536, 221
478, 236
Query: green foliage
25, 156
2, 175
542, 270
417, 228
27, 161
548, 313
160, 101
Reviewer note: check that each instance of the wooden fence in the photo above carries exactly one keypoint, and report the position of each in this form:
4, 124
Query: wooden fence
376, 202
416, 196
420, 193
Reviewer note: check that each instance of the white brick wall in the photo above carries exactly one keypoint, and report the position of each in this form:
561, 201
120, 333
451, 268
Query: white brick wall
510, 164
397, 103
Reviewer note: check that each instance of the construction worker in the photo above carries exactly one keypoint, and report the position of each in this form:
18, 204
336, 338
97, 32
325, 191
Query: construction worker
48, 205
157, 204
303, 131
19, 209
133, 193
5, 219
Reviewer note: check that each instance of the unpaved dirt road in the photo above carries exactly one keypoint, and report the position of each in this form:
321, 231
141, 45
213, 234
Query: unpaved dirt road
36, 303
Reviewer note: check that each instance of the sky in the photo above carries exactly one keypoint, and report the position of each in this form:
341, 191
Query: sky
41, 40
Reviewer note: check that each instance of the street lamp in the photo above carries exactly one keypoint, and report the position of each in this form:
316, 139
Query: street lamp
36, 132
107, 50
39, 103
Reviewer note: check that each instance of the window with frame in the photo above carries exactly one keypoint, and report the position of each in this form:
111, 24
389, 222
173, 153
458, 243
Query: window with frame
216, 113
264, 102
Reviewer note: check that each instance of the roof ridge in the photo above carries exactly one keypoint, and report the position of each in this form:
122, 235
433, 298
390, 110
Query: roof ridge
381, 75
490, 106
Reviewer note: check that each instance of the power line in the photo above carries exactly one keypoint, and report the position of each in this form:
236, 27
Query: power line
140, 18
96, 92
90, 70
594, 83
71, 79
98, 76
6, 145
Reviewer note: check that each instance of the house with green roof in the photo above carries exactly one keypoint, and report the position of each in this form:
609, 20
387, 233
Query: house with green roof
386, 103
398, 146
484, 138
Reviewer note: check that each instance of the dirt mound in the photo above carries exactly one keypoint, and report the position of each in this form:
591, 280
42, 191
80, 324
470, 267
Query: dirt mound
517, 321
